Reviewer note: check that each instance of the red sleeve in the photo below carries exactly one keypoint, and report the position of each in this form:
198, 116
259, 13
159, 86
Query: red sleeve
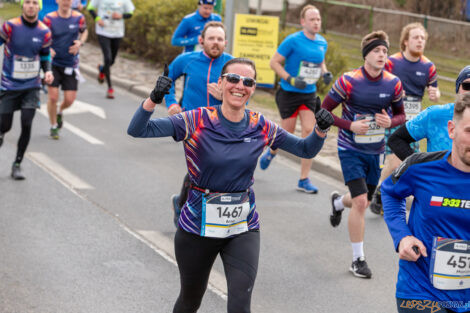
46, 20
82, 24
330, 104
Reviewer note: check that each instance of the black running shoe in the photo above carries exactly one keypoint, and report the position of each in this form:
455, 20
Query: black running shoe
175, 199
16, 172
335, 217
1, 139
60, 121
360, 269
376, 203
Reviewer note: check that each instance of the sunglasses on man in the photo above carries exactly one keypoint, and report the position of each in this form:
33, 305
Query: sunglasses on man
235, 78
466, 86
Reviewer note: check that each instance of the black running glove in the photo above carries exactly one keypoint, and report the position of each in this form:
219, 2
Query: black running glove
323, 117
297, 82
327, 78
162, 87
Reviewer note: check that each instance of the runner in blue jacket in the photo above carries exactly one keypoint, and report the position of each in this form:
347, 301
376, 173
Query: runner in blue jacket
187, 33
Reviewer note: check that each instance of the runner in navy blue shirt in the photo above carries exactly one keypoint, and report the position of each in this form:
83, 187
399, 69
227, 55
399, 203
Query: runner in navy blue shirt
431, 124
434, 245
201, 71
303, 55
222, 145
69, 32
187, 33
27, 41
366, 95
416, 73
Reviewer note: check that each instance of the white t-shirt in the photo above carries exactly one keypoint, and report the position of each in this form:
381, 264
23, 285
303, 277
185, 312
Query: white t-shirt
105, 9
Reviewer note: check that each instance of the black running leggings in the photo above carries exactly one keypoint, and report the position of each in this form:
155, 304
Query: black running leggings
6, 121
195, 256
109, 47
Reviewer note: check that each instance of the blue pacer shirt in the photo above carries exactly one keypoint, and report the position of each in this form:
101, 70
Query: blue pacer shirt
432, 125
303, 58
441, 207
219, 159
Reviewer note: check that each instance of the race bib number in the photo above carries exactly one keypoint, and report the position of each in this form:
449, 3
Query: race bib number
68, 71
450, 264
224, 214
412, 106
113, 26
374, 134
25, 68
311, 72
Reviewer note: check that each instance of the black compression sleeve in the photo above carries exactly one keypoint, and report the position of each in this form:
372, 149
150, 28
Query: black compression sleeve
400, 141
93, 14
46, 66
127, 15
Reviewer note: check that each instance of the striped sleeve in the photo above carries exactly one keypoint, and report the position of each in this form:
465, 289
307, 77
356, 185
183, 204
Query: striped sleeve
274, 135
432, 75
5, 32
186, 123
47, 39
341, 89
82, 24
398, 94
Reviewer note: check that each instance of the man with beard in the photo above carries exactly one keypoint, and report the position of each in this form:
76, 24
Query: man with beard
416, 72
27, 41
434, 246
188, 31
431, 124
367, 94
201, 71
300, 62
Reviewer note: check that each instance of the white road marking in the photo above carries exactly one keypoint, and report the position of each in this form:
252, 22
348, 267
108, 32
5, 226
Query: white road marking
217, 281
74, 129
153, 239
82, 134
79, 107
58, 171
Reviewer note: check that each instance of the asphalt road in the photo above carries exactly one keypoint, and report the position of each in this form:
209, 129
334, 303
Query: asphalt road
90, 229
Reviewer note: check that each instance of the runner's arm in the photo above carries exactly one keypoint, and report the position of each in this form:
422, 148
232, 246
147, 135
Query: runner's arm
141, 126
400, 142
179, 36
394, 191
307, 147
398, 109
399, 116
276, 64
330, 104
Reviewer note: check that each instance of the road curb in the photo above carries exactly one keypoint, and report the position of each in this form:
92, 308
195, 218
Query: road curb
321, 164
